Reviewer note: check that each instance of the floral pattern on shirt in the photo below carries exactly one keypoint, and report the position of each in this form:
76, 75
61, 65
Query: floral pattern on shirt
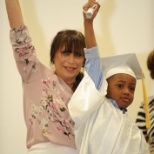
51, 108
24, 51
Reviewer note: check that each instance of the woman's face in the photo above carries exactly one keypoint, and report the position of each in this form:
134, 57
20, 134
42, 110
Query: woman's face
68, 64
121, 88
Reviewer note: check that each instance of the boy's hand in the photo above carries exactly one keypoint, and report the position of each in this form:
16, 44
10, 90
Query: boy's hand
92, 6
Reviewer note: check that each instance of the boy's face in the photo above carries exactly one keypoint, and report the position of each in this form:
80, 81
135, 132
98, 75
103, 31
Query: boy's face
121, 88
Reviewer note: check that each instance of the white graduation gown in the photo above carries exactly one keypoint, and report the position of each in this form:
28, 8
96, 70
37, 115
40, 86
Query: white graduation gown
100, 128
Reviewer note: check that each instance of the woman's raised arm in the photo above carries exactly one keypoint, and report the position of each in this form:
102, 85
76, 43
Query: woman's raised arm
14, 13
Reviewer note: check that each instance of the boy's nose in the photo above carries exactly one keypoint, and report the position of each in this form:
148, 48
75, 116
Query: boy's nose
126, 92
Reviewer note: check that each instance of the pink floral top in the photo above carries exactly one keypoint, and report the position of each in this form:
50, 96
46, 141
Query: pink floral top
45, 96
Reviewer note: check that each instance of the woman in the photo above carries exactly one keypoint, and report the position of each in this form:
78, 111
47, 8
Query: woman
47, 91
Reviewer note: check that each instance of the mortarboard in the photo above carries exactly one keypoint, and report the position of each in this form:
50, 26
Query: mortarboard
126, 63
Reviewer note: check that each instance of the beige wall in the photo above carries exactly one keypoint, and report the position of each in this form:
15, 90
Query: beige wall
121, 27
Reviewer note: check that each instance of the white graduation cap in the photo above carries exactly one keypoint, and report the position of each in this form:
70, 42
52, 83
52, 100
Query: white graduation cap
126, 63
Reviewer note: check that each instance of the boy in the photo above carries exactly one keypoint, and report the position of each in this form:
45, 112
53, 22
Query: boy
99, 104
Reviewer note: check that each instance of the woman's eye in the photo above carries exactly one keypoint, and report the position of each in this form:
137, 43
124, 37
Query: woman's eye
77, 55
66, 52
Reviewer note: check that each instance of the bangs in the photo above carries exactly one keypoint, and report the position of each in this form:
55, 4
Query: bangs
75, 47
74, 43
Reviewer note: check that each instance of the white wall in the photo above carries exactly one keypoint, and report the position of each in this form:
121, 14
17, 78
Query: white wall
122, 26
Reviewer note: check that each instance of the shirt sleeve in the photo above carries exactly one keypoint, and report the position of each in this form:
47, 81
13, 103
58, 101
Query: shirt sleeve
93, 66
140, 120
24, 53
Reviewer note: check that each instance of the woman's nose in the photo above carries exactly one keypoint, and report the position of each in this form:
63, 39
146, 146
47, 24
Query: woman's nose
71, 58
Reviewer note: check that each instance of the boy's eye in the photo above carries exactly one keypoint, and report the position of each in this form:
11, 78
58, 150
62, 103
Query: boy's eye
132, 89
119, 85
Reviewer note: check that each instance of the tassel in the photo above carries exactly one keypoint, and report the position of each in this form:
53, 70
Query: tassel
146, 106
